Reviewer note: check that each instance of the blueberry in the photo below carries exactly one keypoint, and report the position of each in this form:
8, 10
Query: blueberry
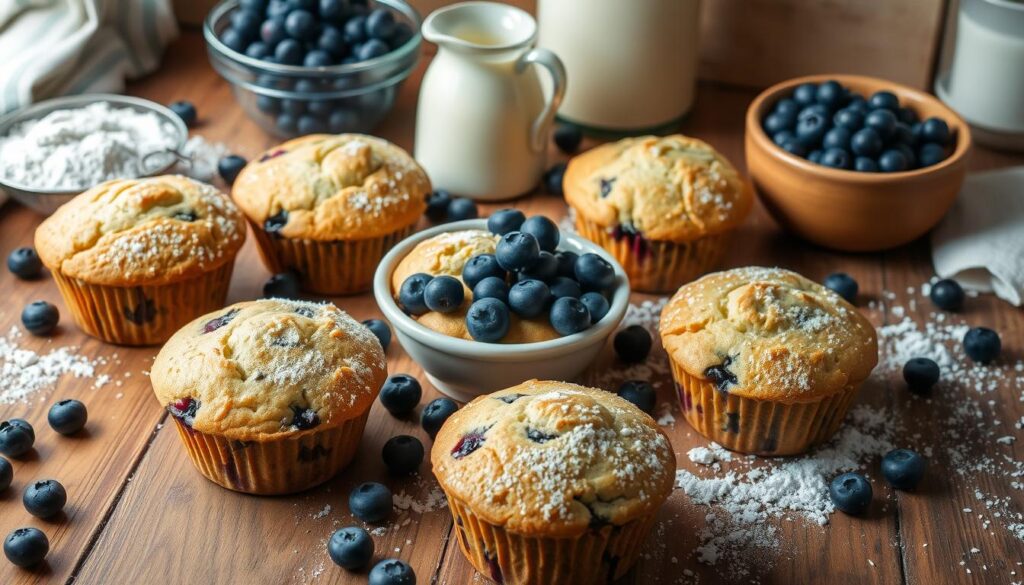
815, 156
257, 6
295, 107
597, 304
410, 295
392, 572
44, 499
354, 30
553, 178
920, 374
185, 110
284, 285
935, 130
381, 330
903, 468
794, 147
632, 344
931, 154
444, 294
272, 32
333, 10
437, 205
544, 230
233, 39
561, 286
786, 106
371, 49
830, 94
229, 166
24, 263
865, 165
569, 316
859, 104
268, 104
594, 272
460, 208
380, 24
480, 267
528, 298
881, 121
843, 285
350, 548
400, 394
317, 58
488, 320
851, 493
982, 344
491, 287
402, 454
903, 135
805, 94
287, 123
435, 413
866, 142
884, 100
341, 121
40, 318
783, 137
566, 263
246, 23
907, 116
836, 158
67, 417
403, 34
504, 221
568, 138
26, 547
257, 50
947, 294
370, 502
811, 128
288, 52
517, 250
278, 8
776, 122
893, 161
814, 110
640, 393
310, 125
300, 25
332, 41
16, 437
852, 120
837, 137
544, 269
6, 474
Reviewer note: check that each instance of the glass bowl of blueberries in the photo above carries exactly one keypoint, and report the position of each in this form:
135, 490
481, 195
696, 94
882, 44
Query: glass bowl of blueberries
855, 163
310, 66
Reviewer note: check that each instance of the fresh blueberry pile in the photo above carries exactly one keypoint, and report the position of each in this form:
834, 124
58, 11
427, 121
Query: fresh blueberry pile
831, 125
526, 276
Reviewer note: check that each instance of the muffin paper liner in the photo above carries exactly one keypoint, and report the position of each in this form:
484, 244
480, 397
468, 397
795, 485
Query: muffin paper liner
338, 267
599, 555
282, 466
657, 265
143, 315
761, 427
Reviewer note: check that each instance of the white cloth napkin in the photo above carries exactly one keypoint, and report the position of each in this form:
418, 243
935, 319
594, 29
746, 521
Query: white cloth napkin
57, 47
980, 243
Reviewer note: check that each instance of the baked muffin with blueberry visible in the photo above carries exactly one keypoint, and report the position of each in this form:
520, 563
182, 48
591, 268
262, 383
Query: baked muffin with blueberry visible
551, 482
270, 396
766, 361
136, 259
328, 207
663, 206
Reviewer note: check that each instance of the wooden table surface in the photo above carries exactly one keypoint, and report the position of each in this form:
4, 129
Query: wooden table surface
139, 513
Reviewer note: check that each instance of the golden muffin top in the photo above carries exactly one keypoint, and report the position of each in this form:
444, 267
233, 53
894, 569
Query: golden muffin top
333, 187
768, 333
671, 188
136, 232
447, 254
554, 459
256, 370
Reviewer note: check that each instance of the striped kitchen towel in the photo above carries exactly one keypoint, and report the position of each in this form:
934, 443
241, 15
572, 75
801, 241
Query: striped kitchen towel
59, 47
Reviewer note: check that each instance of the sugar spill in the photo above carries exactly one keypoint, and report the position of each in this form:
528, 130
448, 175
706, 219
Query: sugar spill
24, 372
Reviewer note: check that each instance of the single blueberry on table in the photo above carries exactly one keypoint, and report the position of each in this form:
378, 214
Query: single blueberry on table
568, 138
594, 272
544, 230
528, 298
25, 547
284, 285
640, 393
597, 304
884, 100
402, 454
920, 374
25, 263
903, 468
460, 208
632, 344
504, 221
67, 417
381, 330
480, 267
843, 285
488, 320
982, 344
947, 294
40, 317
866, 142
865, 165
444, 294
351, 548
410, 294
437, 205
229, 166
931, 154
544, 269
491, 287
553, 179
569, 316
400, 394
392, 572
517, 251
16, 437
881, 121
836, 158
935, 130
6, 474
44, 498
435, 413
851, 493
185, 110
561, 286
370, 502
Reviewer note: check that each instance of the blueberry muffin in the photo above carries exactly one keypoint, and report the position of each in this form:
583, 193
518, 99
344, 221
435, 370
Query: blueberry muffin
328, 207
447, 254
270, 396
136, 259
766, 361
664, 207
551, 482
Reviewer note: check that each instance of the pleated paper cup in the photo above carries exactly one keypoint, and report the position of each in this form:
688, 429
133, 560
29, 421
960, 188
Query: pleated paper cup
599, 555
143, 315
658, 265
338, 267
760, 427
278, 466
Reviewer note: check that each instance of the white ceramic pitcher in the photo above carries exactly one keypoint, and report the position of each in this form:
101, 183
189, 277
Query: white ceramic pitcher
484, 117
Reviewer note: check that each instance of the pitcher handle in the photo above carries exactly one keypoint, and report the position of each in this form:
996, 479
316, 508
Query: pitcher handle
553, 64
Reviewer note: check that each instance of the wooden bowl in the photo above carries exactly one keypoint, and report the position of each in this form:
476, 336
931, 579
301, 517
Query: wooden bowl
849, 210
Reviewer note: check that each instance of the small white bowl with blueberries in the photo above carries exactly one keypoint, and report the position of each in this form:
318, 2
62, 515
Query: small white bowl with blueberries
536, 274
311, 66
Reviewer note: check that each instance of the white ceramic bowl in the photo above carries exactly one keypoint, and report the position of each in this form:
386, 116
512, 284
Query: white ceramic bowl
465, 369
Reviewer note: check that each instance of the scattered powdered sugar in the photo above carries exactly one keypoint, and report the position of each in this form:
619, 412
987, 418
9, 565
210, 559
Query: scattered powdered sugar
23, 371
323, 512
200, 158
430, 498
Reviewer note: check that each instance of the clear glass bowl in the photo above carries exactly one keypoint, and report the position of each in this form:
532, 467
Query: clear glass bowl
291, 100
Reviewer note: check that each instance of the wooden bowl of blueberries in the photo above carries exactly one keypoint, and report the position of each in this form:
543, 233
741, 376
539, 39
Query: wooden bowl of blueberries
855, 163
